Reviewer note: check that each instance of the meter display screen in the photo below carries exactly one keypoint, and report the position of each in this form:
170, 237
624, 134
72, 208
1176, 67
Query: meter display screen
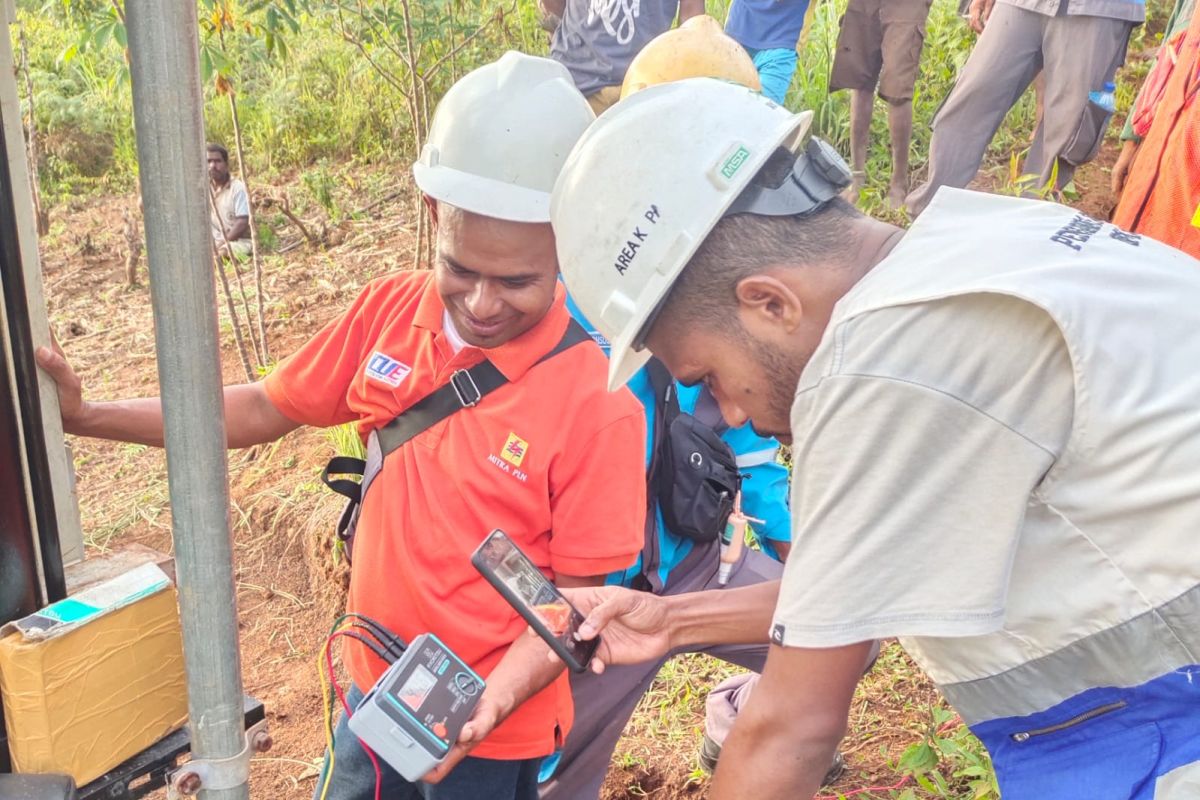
417, 687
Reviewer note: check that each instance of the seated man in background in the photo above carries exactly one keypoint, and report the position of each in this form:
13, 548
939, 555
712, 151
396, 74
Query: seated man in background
596, 39
229, 207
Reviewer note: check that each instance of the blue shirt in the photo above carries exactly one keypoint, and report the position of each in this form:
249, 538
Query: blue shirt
764, 489
766, 24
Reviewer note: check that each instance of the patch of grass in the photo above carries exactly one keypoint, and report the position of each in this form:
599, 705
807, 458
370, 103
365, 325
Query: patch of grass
346, 441
145, 502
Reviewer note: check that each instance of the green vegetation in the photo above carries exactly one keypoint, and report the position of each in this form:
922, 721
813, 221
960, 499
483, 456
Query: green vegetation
314, 79
333, 81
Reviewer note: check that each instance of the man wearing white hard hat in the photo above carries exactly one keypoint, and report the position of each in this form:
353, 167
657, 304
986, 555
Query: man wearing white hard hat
531, 442
995, 421
690, 505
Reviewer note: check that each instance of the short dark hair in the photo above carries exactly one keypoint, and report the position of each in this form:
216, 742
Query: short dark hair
213, 147
744, 244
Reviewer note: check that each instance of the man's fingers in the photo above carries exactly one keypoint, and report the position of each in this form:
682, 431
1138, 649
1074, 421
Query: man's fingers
599, 617
615, 603
54, 364
435, 775
476, 729
976, 15
45, 357
481, 723
471, 734
598, 661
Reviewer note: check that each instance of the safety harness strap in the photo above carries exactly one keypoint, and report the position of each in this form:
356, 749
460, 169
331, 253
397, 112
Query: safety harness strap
465, 389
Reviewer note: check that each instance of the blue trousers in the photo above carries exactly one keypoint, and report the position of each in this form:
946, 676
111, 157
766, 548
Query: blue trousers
776, 67
473, 779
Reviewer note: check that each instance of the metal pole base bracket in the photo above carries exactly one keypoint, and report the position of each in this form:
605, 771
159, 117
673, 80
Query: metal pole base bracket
223, 773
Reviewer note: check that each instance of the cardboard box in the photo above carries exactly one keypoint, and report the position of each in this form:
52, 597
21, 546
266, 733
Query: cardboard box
94, 679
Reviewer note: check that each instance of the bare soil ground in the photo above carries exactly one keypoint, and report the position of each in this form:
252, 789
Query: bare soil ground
288, 585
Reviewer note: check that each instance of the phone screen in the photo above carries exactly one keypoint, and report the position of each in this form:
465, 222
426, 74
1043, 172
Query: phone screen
532, 594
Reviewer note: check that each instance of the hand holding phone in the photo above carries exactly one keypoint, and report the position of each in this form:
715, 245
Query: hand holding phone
535, 598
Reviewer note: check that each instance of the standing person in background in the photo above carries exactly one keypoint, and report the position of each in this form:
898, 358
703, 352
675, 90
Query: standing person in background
1161, 192
770, 31
596, 39
1077, 44
976, 23
229, 207
879, 49
1151, 91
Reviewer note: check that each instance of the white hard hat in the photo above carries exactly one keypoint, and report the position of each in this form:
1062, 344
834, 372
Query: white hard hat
643, 188
499, 137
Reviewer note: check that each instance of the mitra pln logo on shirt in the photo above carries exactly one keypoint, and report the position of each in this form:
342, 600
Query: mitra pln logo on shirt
512, 454
514, 450
386, 369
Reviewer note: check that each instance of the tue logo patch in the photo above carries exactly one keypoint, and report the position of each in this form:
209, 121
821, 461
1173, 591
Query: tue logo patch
386, 370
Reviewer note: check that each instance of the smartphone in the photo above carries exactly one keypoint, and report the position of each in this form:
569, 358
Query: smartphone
534, 597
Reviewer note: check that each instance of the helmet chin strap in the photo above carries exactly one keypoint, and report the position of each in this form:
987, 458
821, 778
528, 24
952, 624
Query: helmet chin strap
817, 176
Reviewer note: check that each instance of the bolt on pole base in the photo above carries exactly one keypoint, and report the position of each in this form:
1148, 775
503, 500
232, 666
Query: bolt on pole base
225, 773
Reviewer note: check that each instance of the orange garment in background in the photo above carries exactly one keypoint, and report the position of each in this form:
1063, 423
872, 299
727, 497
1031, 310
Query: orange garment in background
1162, 194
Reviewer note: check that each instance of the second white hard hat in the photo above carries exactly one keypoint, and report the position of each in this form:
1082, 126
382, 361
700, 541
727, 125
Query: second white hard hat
499, 137
643, 188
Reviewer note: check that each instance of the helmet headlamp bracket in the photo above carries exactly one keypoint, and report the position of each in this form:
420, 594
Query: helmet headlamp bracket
818, 175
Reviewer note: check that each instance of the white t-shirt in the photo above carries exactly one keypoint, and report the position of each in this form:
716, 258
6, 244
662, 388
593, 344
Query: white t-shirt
456, 341
915, 455
231, 202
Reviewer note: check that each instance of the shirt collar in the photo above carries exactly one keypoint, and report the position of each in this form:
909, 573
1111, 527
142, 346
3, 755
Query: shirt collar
513, 358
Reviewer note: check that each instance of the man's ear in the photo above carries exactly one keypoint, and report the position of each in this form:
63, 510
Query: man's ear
432, 205
765, 302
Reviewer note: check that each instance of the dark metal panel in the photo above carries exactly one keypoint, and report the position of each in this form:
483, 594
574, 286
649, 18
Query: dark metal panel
20, 590
13, 283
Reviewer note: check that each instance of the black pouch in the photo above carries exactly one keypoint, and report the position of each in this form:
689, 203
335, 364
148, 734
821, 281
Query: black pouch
697, 481
1089, 135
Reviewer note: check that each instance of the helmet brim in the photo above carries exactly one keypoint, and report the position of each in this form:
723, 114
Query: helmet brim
624, 361
483, 196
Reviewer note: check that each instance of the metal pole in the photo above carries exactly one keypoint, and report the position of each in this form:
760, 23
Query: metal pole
168, 121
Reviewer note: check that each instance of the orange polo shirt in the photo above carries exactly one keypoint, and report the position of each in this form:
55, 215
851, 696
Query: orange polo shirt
551, 458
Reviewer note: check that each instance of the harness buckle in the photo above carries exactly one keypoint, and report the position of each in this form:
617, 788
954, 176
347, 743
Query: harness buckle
464, 386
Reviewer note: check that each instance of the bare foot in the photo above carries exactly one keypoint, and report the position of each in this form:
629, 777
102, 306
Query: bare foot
896, 195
